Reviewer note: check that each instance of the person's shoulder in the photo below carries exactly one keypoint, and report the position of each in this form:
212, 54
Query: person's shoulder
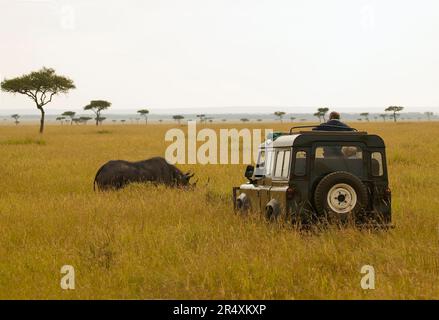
319, 127
346, 127
339, 123
335, 122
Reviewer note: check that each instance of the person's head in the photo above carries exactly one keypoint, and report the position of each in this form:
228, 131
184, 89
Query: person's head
334, 115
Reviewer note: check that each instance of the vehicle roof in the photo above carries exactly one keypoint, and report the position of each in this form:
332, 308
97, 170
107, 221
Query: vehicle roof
307, 138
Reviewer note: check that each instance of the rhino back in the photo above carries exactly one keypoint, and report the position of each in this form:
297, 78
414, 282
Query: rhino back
115, 174
159, 168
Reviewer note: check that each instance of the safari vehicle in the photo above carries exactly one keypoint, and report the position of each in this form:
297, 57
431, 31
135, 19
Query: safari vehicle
311, 176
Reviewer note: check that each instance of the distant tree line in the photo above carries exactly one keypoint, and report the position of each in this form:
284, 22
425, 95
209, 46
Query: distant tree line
42, 85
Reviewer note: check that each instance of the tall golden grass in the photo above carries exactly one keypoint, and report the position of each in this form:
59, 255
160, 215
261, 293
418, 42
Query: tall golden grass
157, 243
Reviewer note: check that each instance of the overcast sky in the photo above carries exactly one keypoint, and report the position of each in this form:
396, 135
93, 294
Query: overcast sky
295, 56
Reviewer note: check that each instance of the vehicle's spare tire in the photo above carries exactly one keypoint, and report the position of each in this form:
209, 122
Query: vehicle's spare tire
340, 196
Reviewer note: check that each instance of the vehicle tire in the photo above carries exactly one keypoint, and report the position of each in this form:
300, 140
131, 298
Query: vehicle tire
242, 203
272, 210
340, 197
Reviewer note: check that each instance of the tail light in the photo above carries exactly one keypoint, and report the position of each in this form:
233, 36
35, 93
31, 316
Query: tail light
290, 193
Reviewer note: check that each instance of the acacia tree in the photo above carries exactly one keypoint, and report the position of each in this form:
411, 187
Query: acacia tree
395, 110
365, 115
429, 114
16, 117
84, 120
144, 113
244, 120
101, 119
70, 114
178, 118
384, 116
280, 115
60, 119
318, 115
202, 117
97, 106
323, 112
40, 86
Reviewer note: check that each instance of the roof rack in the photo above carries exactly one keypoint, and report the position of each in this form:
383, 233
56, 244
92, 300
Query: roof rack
326, 125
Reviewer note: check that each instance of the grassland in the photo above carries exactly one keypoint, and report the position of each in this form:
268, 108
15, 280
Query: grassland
158, 243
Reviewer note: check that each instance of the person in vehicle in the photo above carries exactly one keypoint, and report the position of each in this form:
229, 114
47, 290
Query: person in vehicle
333, 124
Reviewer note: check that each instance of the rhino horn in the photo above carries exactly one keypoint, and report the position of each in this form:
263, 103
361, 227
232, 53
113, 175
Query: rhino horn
189, 174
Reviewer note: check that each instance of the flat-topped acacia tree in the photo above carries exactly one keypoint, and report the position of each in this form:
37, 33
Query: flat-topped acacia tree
97, 106
394, 110
178, 118
429, 114
60, 119
84, 120
40, 86
70, 114
202, 117
323, 112
101, 119
144, 113
318, 115
16, 117
280, 115
365, 115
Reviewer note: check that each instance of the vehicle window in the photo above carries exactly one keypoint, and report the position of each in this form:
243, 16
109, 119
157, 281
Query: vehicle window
279, 164
286, 166
300, 164
338, 158
346, 152
260, 164
377, 164
269, 163
261, 160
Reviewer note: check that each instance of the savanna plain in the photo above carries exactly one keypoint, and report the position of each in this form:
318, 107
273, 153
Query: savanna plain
147, 242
